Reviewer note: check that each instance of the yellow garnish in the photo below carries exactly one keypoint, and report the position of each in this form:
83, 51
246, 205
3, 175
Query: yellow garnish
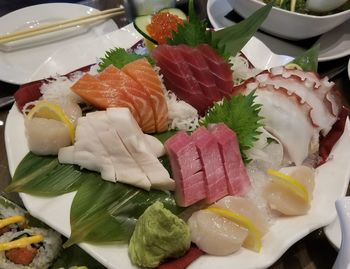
21, 243
253, 240
11, 220
290, 183
293, 66
48, 110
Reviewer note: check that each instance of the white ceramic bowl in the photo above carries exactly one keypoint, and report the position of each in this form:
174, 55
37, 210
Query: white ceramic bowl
291, 25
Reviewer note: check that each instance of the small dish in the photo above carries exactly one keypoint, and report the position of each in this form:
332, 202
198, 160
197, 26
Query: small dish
20, 59
292, 25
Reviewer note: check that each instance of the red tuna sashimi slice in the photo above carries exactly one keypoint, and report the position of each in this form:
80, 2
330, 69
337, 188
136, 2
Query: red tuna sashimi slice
238, 181
209, 152
201, 72
134, 90
186, 168
141, 71
178, 77
219, 68
101, 95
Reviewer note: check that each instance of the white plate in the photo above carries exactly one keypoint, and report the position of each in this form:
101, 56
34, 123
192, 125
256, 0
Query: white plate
333, 44
32, 59
282, 234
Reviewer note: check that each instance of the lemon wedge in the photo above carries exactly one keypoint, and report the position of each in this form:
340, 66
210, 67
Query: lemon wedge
253, 240
48, 110
290, 183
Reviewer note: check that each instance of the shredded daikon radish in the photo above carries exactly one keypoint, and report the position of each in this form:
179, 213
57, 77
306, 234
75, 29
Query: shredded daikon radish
241, 69
59, 88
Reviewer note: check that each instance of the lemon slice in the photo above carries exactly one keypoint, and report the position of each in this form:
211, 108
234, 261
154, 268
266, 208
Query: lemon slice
253, 240
290, 183
48, 110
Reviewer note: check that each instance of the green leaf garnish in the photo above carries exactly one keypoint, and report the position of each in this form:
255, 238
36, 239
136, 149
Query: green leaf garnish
241, 114
308, 61
45, 176
232, 39
120, 57
193, 32
228, 41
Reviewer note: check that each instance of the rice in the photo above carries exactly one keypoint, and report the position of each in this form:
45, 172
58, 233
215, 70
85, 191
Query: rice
46, 253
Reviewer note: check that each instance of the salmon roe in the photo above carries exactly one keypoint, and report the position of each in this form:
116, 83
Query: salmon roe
161, 26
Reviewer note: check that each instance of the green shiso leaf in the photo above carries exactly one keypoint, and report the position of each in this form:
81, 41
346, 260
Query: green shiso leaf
120, 57
308, 61
232, 39
241, 114
228, 41
107, 212
45, 176
193, 32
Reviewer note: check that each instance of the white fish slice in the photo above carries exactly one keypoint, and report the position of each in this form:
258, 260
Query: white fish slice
135, 142
126, 169
88, 152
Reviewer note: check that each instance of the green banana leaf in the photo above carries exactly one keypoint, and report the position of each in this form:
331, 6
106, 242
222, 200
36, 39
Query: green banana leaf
308, 61
233, 38
101, 211
45, 176
107, 212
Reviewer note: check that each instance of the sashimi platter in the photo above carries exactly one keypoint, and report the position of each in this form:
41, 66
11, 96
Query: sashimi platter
180, 153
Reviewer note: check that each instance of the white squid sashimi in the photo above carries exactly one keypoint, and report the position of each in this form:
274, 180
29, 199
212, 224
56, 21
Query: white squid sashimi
125, 167
138, 147
88, 152
246, 208
48, 142
283, 199
215, 235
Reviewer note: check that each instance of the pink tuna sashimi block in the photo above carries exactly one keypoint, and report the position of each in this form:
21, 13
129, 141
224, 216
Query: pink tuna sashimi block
198, 76
186, 168
238, 181
214, 173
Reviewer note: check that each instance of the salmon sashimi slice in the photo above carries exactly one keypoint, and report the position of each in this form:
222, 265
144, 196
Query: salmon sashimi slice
102, 95
141, 71
134, 90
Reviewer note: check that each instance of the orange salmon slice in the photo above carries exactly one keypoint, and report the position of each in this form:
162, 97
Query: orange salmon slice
142, 71
116, 78
99, 94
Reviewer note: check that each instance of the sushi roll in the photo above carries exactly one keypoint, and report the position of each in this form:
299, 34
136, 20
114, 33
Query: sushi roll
12, 219
34, 248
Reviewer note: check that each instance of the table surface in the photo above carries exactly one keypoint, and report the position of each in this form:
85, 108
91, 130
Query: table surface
313, 251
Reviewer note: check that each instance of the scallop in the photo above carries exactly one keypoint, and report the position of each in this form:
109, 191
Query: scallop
216, 235
246, 208
286, 201
46, 136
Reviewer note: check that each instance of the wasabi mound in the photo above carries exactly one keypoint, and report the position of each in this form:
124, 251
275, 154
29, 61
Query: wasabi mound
158, 235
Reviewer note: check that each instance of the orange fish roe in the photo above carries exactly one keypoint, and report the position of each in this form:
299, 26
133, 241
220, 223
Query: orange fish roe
161, 26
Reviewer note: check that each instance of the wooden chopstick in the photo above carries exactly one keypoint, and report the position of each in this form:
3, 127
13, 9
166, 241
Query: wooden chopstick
61, 25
